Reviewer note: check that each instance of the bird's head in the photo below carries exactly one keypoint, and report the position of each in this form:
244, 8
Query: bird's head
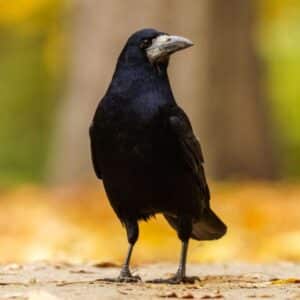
152, 46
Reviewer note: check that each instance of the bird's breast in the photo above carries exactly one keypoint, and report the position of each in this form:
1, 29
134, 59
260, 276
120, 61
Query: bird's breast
131, 137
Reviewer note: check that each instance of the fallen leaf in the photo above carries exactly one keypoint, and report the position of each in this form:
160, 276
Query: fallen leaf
62, 265
106, 265
187, 296
168, 295
286, 281
32, 281
81, 272
214, 296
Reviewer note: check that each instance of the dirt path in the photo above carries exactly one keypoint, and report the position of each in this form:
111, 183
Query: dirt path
44, 281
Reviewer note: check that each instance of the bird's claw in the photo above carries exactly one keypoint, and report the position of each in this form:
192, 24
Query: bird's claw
130, 278
175, 280
123, 279
125, 276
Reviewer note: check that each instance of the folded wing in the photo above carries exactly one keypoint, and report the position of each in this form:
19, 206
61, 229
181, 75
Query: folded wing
208, 226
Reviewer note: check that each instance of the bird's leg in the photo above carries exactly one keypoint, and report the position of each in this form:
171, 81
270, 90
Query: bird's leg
132, 230
125, 272
179, 277
184, 230
180, 274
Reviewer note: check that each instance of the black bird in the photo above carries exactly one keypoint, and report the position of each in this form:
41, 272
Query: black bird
144, 149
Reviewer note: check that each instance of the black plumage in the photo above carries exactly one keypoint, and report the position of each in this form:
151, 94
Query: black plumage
144, 149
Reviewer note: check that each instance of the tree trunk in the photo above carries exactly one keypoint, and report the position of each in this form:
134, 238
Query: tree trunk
233, 119
99, 31
217, 82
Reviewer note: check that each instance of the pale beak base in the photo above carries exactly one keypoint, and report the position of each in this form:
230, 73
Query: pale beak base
165, 45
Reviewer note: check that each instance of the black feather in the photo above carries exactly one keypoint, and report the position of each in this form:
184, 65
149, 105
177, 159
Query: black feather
143, 146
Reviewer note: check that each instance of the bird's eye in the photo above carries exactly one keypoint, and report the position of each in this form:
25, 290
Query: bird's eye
145, 44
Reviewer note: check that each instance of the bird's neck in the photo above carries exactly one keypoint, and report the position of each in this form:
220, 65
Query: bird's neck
143, 81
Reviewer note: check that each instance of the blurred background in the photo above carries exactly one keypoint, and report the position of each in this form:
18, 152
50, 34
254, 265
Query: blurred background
239, 84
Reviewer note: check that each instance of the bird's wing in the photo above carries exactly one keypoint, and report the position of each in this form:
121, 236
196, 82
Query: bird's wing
95, 152
189, 148
209, 226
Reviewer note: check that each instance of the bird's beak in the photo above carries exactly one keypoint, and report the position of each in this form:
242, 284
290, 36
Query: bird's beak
164, 45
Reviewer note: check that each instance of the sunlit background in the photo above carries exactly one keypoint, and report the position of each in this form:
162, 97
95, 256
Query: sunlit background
239, 84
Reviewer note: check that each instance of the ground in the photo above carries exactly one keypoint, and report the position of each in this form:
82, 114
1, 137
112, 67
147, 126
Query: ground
63, 281
76, 224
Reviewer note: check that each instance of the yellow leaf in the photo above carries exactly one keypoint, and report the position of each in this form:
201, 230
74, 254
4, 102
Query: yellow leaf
286, 281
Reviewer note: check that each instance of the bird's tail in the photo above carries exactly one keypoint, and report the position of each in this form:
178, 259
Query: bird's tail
208, 227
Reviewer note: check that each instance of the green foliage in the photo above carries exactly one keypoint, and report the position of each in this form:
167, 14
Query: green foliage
32, 71
280, 45
28, 93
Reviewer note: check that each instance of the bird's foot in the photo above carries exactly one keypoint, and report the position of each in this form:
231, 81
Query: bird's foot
176, 280
131, 278
125, 276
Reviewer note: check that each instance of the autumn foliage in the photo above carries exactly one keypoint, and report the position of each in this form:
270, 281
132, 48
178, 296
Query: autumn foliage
77, 224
